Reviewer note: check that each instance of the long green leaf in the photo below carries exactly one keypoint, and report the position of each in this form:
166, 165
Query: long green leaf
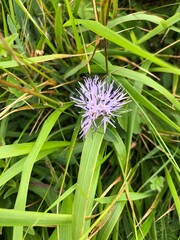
137, 16
34, 60
84, 195
164, 25
134, 196
173, 191
106, 231
11, 217
20, 149
18, 166
145, 102
28, 165
112, 36
124, 72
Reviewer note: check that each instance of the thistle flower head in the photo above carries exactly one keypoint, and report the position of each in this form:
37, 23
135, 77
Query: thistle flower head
98, 100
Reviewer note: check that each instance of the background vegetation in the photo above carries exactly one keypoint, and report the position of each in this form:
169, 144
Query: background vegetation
128, 178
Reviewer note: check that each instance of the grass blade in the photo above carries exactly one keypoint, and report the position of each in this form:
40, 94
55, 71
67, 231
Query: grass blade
28, 165
11, 217
112, 36
84, 195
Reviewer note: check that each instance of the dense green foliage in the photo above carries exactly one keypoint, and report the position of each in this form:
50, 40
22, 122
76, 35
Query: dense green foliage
119, 185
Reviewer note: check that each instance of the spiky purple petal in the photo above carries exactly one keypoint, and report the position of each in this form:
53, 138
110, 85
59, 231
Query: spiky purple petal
98, 100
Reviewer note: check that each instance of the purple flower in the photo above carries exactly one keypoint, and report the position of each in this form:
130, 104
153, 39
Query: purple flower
100, 101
